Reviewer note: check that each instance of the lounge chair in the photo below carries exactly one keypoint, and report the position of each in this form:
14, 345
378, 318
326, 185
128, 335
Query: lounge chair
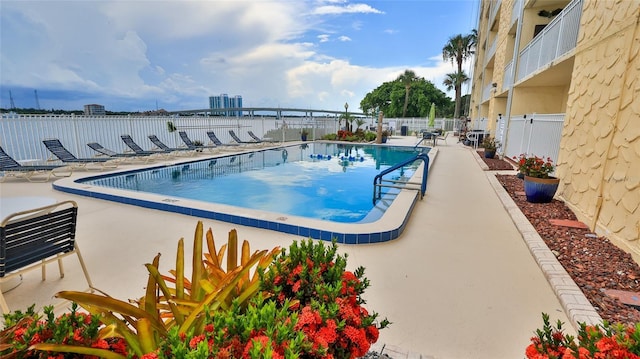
260, 140
138, 150
12, 168
61, 153
216, 141
442, 138
175, 150
31, 239
192, 146
241, 142
122, 157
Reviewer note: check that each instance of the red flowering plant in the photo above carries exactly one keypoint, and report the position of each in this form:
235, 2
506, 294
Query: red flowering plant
605, 341
343, 134
24, 331
262, 330
327, 298
534, 166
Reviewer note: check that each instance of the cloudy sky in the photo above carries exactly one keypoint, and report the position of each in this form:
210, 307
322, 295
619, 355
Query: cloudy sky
136, 55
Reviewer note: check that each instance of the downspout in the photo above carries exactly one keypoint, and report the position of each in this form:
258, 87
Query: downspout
514, 69
599, 198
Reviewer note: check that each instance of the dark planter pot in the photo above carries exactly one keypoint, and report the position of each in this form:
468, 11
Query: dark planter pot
303, 137
540, 190
384, 139
489, 153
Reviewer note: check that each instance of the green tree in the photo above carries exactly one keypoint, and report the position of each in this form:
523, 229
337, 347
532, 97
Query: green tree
390, 98
407, 79
457, 50
454, 81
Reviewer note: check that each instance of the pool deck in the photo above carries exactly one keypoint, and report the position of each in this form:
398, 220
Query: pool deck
460, 282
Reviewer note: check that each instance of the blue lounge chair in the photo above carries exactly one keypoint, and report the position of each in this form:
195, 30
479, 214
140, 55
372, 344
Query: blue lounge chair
122, 157
176, 150
192, 146
61, 153
240, 141
12, 168
216, 141
258, 139
138, 150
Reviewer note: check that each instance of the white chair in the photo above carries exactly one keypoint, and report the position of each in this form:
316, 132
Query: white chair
442, 138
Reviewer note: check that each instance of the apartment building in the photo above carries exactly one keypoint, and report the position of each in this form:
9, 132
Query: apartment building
94, 110
223, 101
562, 79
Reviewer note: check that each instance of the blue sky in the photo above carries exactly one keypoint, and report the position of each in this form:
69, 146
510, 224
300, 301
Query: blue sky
131, 55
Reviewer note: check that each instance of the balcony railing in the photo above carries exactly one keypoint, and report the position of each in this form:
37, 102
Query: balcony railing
486, 92
556, 39
495, 6
491, 52
507, 81
515, 10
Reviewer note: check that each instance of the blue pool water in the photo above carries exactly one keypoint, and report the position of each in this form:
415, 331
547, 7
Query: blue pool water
325, 181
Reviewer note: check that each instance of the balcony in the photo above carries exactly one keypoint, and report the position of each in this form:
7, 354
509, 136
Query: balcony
557, 39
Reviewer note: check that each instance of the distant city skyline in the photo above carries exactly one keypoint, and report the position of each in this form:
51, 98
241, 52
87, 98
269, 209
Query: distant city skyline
139, 56
223, 101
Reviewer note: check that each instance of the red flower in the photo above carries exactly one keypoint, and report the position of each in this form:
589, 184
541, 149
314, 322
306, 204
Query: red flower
100, 344
150, 356
193, 343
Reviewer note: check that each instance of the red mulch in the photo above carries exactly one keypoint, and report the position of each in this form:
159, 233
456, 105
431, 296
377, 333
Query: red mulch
495, 164
595, 264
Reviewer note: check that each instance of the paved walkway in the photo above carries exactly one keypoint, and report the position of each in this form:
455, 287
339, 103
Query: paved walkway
460, 282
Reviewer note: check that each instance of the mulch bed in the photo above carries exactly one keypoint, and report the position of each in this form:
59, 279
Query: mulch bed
594, 263
495, 164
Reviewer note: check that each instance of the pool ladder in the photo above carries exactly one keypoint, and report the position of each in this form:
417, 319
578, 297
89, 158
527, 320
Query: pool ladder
379, 182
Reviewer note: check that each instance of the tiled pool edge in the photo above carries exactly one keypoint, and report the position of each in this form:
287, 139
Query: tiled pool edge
575, 304
342, 237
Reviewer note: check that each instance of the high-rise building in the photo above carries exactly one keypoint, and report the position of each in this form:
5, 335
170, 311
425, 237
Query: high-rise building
577, 60
94, 110
224, 102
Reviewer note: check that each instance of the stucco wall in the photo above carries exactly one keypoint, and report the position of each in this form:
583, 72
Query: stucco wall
599, 161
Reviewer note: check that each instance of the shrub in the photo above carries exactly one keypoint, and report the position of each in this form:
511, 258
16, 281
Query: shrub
601, 341
327, 297
370, 136
74, 329
330, 137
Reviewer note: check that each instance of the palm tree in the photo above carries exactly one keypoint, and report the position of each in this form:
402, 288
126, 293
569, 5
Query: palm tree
407, 79
454, 81
457, 50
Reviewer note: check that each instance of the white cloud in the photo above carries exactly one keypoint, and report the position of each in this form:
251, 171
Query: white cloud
183, 52
349, 9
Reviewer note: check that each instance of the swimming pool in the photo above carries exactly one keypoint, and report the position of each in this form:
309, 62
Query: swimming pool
321, 187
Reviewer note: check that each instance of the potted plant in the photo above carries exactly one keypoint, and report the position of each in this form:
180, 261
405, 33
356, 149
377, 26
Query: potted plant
490, 146
385, 135
303, 134
539, 185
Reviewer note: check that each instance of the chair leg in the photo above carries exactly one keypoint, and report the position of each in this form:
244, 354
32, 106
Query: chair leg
60, 267
3, 304
84, 268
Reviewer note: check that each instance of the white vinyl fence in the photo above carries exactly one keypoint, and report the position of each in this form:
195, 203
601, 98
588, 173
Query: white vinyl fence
21, 135
531, 134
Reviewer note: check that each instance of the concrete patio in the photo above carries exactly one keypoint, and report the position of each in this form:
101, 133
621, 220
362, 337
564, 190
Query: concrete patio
460, 282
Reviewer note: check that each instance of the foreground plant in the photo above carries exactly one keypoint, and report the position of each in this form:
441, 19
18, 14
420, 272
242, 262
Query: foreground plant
327, 297
25, 331
606, 341
174, 301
